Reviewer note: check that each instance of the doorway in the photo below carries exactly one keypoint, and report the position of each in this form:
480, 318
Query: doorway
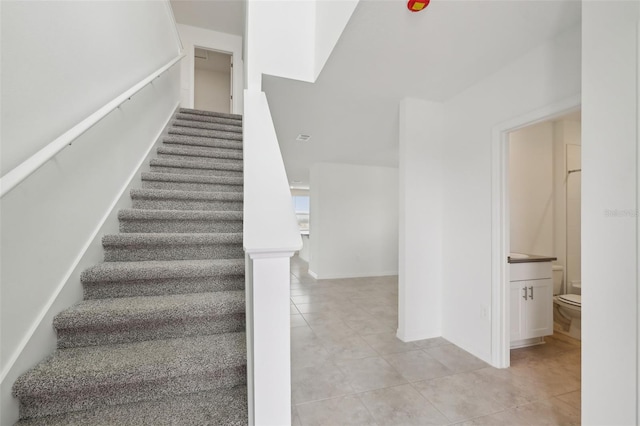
501, 327
213, 84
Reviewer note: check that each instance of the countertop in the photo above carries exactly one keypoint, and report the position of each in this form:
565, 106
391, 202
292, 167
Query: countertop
529, 258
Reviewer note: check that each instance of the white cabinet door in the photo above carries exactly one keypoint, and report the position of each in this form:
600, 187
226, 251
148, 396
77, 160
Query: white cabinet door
517, 308
538, 317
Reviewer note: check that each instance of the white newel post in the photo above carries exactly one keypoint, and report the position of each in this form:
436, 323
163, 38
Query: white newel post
271, 237
270, 329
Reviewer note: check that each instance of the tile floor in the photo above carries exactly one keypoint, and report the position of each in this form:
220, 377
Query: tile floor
348, 368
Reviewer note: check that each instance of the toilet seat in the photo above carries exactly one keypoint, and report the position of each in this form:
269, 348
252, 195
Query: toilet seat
572, 299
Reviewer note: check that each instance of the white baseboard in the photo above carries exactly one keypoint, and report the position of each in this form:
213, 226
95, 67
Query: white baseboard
353, 275
413, 335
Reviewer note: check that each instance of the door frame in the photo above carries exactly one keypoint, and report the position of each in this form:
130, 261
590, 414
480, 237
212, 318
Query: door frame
500, 246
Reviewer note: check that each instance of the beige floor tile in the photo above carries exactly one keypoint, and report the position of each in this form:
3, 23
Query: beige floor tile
295, 418
401, 405
370, 373
337, 330
417, 365
298, 321
430, 343
346, 410
465, 396
454, 358
353, 347
336, 307
545, 412
316, 383
293, 309
388, 343
574, 399
371, 326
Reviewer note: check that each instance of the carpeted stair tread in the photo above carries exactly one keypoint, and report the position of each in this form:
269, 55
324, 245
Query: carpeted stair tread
212, 134
186, 120
204, 154
155, 278
203, 408
127, 319
179, 221
178, 215
156, 270
200, 141
174, 177
82, 378
205, 132
206, 118
195, 164
211, 125
210, 113
176, 246
186, 195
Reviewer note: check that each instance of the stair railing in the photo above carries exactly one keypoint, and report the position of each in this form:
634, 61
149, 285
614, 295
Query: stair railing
271, 237
14, 177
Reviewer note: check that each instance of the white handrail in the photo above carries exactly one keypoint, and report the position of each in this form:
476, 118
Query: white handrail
37, 160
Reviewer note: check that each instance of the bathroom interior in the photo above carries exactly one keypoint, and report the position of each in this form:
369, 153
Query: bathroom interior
544, 221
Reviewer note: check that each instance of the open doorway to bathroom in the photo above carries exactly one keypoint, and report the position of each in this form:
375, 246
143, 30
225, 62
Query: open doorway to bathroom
536, 250
544, 193
213, 83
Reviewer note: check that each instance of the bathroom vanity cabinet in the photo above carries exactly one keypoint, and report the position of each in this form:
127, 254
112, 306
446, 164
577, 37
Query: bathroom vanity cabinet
531, 302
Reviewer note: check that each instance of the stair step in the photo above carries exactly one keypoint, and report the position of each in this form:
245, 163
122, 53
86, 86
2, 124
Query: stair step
215, 134
179, 221
227, 408
159, 199
152, 246
211, 113
214, 155
207, 132
199, 141
154, 278
177, 181
211, 125
97, 376
129, 319
194, 167
207, 119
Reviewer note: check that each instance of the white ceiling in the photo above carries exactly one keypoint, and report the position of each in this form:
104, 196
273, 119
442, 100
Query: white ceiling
225, 16
387, 53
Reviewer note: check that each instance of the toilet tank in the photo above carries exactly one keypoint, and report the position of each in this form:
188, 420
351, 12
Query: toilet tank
558, 276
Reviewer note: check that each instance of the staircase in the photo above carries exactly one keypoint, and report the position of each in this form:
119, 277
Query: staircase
159, 337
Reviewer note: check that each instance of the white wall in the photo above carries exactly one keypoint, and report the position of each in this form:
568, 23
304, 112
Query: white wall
531, 189
609, 213
546, 75
331, 18
61, 61
420, 222
50, 220
566, 135
354, 221
292, 39
193, 37
212, 90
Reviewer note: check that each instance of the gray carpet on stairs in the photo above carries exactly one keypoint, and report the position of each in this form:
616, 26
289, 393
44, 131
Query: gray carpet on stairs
159, 338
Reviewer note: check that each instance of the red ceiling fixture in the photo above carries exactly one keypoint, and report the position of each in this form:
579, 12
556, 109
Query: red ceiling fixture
417, 5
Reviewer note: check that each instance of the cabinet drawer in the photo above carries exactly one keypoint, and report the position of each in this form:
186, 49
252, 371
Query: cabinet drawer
530, 271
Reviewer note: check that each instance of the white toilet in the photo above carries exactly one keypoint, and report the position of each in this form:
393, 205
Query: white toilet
567, 308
